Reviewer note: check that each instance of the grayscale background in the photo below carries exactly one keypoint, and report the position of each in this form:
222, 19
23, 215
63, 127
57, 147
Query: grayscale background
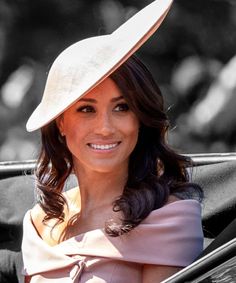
192, 57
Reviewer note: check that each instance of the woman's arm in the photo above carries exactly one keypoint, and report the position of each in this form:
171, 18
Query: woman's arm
157, 273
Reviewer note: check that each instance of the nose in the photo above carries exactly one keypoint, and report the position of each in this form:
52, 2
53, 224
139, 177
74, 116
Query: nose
104, 124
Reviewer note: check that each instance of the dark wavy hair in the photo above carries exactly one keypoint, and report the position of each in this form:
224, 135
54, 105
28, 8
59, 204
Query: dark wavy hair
155, 170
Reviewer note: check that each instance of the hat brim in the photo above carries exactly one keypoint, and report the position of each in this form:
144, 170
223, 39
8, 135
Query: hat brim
85, 64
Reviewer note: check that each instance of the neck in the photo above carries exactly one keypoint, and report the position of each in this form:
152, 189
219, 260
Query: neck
98, 189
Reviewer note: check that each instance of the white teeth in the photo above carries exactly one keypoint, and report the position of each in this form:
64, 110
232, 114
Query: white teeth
102, 147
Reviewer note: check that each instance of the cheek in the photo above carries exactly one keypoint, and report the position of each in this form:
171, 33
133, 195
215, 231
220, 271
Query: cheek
74, 135
131, 129
73, 127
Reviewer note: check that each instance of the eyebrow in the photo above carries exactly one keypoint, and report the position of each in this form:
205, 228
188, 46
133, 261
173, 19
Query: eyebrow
88, 100
92, 100
115, 99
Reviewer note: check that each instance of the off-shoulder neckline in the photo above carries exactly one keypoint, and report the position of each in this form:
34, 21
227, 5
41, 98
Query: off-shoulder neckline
159, 210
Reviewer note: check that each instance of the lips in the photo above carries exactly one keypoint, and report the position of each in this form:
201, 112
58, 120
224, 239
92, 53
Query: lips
103, 146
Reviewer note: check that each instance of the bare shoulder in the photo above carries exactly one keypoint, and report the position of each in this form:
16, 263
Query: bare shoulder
71, 193
51, 230
171, 199
37, 216
44, 229
73, 199
37, 213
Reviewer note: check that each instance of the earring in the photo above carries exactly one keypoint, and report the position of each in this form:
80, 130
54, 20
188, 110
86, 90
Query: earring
62, 134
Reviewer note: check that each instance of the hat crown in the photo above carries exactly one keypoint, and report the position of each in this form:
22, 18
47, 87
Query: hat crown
83, 65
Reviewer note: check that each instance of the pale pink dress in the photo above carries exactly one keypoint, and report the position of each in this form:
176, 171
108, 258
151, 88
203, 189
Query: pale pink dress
171, 235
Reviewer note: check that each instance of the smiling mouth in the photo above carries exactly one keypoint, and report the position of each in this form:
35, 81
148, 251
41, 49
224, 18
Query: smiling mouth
103, 146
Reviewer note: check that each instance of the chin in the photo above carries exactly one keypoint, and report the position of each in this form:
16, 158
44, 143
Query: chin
109, 167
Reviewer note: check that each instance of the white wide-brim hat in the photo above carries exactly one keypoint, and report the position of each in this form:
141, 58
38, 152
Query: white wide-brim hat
83, 65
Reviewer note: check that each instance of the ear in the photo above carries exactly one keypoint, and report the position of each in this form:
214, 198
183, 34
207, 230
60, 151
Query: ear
60, 125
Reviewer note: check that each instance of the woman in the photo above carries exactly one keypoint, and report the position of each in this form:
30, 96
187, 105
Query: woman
134, 216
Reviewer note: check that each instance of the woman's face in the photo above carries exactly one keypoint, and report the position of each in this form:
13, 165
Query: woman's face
100, 129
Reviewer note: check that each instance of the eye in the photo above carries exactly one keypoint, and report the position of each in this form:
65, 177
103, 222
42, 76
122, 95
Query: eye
121, 107
86, 109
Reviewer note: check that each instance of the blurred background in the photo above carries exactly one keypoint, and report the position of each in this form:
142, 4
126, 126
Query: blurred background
192, 58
